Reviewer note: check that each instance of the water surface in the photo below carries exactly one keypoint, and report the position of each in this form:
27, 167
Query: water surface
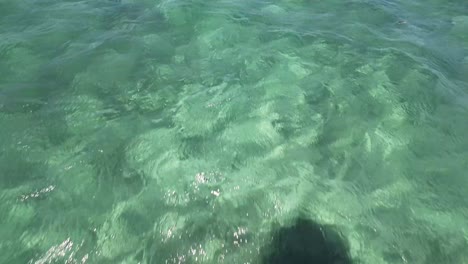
177, 131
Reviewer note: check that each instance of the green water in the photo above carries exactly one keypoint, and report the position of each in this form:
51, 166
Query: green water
180, 131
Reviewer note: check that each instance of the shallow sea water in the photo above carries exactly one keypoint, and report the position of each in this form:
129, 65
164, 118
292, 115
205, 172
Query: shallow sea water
178, 131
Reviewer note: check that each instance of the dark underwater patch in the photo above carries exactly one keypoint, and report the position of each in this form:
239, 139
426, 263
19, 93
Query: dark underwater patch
306, 242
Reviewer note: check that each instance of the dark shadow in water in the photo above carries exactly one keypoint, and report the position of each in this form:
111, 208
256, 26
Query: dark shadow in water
16, 169
306, 242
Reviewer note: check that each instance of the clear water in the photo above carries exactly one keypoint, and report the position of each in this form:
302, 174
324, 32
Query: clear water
180, 131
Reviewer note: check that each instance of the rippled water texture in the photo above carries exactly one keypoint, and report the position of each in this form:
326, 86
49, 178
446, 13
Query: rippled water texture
181, 131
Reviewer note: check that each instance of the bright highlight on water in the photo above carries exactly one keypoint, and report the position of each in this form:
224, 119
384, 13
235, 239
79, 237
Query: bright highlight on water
177, 131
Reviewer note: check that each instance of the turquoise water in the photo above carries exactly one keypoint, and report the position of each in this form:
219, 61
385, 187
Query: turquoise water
177, 131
